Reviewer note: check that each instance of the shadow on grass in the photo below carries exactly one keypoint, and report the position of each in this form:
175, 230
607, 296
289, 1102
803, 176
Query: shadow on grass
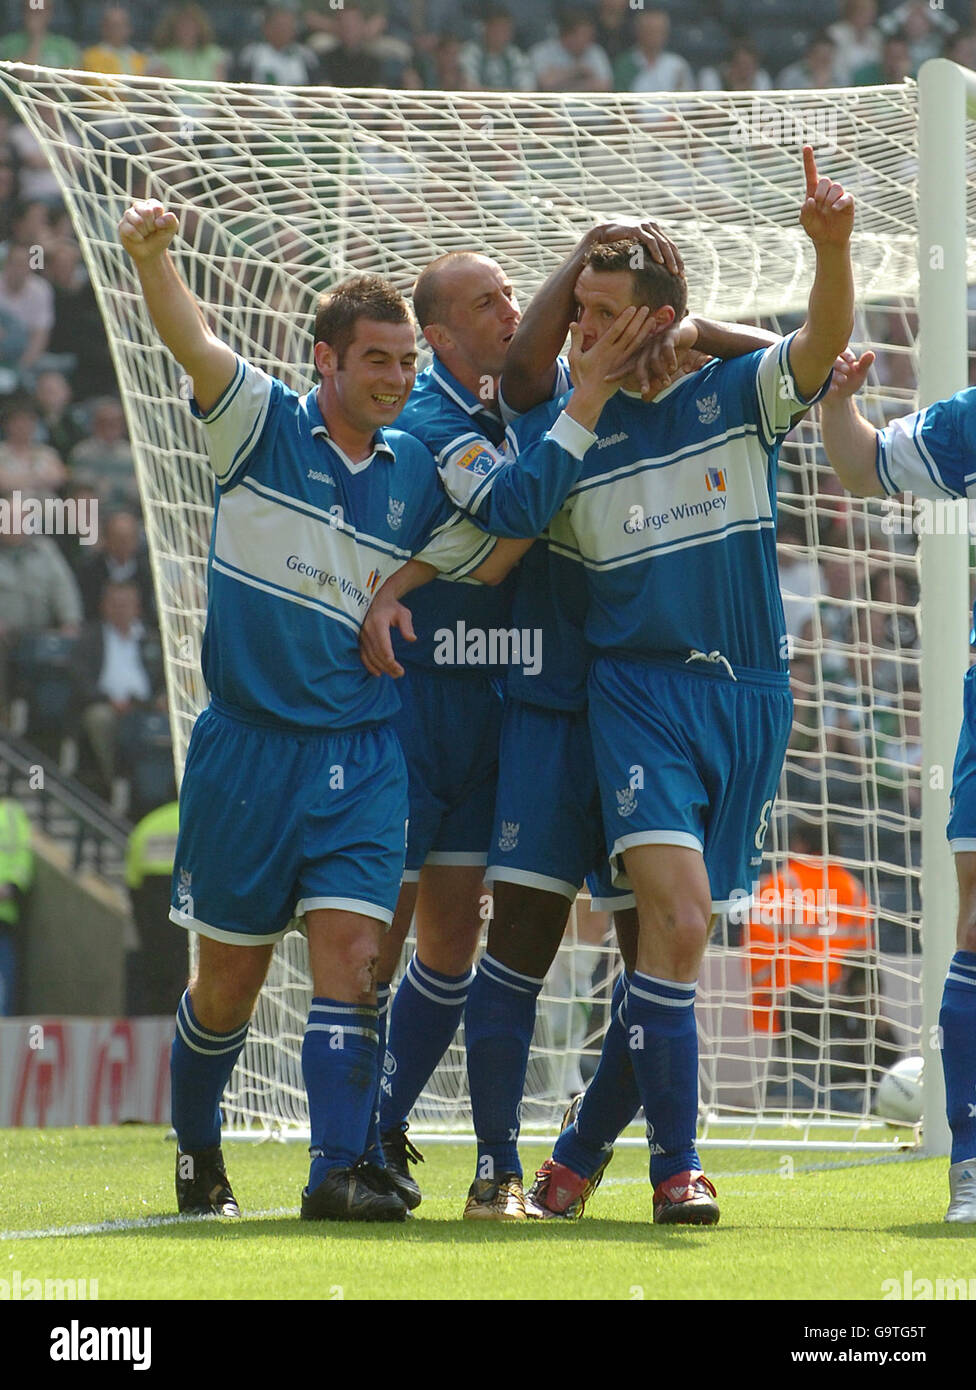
423, 1231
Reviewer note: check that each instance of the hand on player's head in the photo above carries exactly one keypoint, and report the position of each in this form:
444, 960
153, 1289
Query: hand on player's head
147, 229
660, 245
827, 215
850, 374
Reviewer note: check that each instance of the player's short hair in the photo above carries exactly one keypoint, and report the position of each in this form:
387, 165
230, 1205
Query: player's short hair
654, 285
361, 297
430, 303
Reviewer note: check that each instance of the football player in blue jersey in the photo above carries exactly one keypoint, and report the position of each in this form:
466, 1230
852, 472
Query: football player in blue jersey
294, 797
670, 521
547, 833
929, 453
449, 717
449, 725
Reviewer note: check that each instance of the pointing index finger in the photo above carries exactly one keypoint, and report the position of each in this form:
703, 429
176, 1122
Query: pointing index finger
810, 170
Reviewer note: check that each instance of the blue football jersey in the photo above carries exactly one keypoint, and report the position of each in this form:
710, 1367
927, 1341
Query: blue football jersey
302, 537
469, 443
450, 421
673, 515
931, 452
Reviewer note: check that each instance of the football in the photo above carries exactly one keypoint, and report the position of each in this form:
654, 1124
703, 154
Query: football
899, 1098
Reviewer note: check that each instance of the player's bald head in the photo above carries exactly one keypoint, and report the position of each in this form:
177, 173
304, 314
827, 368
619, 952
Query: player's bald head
443, 282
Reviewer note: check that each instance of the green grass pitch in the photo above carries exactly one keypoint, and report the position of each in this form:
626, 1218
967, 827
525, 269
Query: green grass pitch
794, 1226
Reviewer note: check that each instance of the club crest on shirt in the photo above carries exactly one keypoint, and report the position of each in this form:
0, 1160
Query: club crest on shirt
508, 839
394, 516
708, 409
476, 459
626, 802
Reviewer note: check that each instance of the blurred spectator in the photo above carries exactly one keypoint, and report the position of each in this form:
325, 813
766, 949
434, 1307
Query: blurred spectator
857, 37
614, 27
573, 62
420, 24
156, 971
78, 332
443, 72
113, 53
494, 63
962, 48
8, 189
35, 177
356, 58
76, 544
59, 422
118, 672
185, 48
925, 27
30, 225
28, 298
104, 459
649, 66
739, 73
894, 68
25, 465
35, 45
121, 559
38, 592
817, 68
16, 880
277, 59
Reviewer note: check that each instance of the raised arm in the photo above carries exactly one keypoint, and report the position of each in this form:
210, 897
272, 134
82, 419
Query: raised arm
850, 443
827, 217
146, 231
530, 366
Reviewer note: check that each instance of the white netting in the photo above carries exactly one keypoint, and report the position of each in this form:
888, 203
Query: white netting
282, 192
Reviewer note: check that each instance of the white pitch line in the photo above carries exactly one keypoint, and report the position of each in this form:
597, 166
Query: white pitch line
137, 1223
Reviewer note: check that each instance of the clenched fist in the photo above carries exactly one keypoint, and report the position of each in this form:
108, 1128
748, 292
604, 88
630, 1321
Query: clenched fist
147, 229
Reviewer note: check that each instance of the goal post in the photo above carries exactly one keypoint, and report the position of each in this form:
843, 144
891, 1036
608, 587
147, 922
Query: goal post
281, 192
947, 102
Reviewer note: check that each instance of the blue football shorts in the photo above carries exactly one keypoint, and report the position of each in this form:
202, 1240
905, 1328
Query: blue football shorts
548, 831
688, 756
276, 823
448, 726
961, 829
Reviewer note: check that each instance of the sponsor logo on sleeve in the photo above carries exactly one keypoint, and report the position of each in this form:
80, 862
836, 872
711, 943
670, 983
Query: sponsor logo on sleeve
476, 459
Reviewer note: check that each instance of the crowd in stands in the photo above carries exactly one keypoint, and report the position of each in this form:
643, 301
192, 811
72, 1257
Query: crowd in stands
87, 611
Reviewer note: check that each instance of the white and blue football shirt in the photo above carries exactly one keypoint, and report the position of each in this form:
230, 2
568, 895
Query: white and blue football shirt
469, 442
931, 452
445, 416
302, 538
673, 515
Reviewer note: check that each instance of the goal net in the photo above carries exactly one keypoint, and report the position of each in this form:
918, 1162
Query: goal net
281, 193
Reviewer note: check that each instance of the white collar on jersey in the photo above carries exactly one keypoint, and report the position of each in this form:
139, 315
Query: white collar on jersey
380, 444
